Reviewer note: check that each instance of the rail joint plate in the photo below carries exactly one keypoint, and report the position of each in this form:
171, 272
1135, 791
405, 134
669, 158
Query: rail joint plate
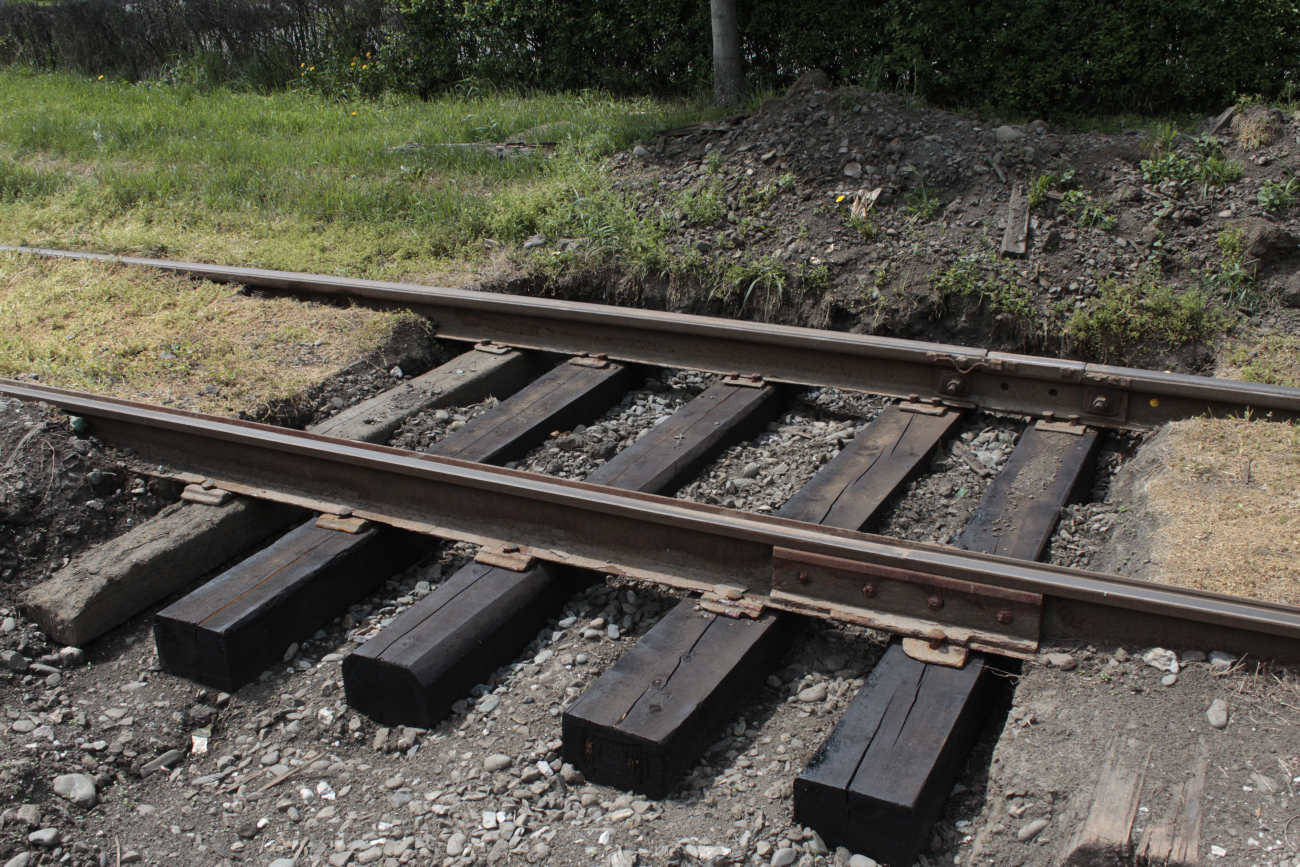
934, 607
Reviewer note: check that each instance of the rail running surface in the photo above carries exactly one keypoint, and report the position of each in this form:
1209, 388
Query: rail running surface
1091, 394
665, 540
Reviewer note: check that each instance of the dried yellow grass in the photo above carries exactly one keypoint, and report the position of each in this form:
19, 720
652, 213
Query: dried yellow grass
1255, 127
1226, 498
141, 335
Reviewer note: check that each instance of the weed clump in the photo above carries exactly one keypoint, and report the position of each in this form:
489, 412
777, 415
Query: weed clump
1130, 319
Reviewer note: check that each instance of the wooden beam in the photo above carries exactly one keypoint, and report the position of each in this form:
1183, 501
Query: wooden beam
231, 629
480, 619
646, 720
879, 782
112, 582
1047, 470
852, 489
1105, 837
466, 379
571, 393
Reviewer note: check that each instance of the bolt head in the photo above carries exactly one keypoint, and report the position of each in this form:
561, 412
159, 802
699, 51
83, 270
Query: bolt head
804, 578
934, 603
953, 386
1100, 404
869, 590
1005, 617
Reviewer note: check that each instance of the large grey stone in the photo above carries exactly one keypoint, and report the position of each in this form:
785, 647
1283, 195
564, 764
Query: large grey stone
77, 788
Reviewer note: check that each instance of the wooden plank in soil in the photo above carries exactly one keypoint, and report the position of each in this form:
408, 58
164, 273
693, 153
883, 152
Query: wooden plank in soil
645, 722
674, 451
232, 628
424, 661
1015, 240
879, 782
850, 491
466, 379
1106, 836
1019, 510
571, 393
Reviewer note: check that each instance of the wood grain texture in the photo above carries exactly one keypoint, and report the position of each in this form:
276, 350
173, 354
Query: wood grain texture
466, 379
567, 396
851, 490
1106, 837
672, 453
879, 782
1020, 508
646, 720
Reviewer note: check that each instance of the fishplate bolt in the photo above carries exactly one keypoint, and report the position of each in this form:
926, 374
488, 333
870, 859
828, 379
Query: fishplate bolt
954, 387
1005, 617
1101, 405
934, 603
869, 590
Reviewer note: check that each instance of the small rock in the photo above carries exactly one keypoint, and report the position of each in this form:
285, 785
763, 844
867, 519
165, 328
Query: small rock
130, 856
1039, 126
166, 760
1030, 831
45, 837
1063, 661
22, 859
1190, 656
834, 663
816, 692
1161, 659
1219, 659
1218, 713
13, 660
1169, 679
862, 861
641, 152
784, 857
456, 844
29, 815
283, 862
497, 762
8, 625
1006, 134
852, 170
72, 656
817, 846
77, 788
538, 240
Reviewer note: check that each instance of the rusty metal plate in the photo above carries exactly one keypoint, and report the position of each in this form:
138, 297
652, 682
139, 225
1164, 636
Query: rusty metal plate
957, 607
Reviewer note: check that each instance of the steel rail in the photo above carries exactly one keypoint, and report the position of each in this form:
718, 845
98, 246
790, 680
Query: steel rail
648, 537
1093, 394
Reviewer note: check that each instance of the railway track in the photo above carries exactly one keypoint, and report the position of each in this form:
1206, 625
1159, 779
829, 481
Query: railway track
960, 612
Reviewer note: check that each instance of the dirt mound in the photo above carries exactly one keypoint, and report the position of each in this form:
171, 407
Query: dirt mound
869, 212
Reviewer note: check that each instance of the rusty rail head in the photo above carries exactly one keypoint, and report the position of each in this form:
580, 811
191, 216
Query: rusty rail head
652, 538
1092, 394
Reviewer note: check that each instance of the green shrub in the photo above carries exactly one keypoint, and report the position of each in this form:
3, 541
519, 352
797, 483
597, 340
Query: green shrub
1127, 320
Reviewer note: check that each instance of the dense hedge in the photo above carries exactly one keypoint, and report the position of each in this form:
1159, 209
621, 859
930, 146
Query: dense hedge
255, 42
1040, 56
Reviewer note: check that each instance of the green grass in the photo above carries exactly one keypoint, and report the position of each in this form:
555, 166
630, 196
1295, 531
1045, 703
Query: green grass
1127, 320
291, 180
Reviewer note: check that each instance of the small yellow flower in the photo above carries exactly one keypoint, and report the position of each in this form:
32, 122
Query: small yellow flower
839, 198
354, 114
365, 66
367, 54
101, 78
311, 69
354, 63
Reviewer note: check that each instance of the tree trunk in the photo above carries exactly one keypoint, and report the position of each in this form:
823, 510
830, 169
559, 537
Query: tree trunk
728, 82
